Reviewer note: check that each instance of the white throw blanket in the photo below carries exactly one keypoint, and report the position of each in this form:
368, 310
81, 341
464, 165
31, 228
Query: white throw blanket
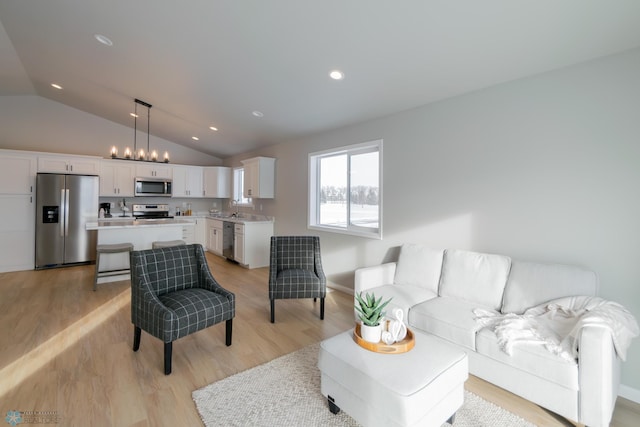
557, 324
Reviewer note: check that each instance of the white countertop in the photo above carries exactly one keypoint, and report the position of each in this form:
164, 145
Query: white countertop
242, 219
116, 223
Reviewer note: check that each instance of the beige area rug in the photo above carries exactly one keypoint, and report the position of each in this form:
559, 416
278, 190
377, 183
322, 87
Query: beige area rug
286, 392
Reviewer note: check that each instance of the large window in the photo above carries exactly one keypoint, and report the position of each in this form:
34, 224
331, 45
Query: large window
345, 190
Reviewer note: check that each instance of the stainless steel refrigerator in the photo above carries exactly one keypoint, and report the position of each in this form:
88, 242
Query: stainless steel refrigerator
64, 204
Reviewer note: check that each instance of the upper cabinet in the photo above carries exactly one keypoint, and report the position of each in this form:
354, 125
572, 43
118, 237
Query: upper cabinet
17, 173
217, 182
116, 178
153, 170
187, 181
259, 177
69, 164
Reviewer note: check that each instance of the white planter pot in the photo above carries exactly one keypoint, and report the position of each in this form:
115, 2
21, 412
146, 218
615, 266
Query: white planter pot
371, 333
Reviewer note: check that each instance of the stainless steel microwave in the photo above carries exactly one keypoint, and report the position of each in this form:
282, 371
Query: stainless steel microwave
152, 187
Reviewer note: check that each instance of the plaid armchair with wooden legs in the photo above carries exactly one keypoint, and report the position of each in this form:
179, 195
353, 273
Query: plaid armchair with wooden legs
173, 294
295, 270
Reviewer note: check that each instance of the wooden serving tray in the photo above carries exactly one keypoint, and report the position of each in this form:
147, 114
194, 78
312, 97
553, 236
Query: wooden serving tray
398, 347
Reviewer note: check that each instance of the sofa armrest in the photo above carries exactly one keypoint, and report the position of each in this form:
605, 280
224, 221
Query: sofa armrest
372, 277
599, 375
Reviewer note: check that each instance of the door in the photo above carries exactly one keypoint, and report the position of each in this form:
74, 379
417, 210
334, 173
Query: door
82, 207
50, 215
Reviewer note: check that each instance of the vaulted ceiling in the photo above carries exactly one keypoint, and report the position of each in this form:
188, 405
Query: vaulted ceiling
204, 63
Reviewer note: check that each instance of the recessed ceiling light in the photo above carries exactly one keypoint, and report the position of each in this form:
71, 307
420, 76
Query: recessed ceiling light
103, 39
336, 74
195, 138
213, 128
133, 114
55, 85
257, 113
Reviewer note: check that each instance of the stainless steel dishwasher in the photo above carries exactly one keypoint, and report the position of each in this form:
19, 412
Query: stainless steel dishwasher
227, 239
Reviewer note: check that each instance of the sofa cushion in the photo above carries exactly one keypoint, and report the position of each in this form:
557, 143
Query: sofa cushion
403, 297
474, 277
531, 358
420, 266
448, 318
531, 284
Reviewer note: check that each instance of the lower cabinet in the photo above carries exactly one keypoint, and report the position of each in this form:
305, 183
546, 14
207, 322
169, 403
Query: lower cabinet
238, 243
214, 236
196, 233
252, 243
17, 232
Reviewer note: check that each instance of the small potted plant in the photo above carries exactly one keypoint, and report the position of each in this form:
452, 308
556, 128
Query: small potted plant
370, 313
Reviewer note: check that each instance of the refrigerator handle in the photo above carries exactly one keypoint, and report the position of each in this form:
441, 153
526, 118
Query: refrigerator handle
66, 212
63, 214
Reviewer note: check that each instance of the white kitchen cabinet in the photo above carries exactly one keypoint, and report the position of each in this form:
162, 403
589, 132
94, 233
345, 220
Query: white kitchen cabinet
116, 178
17, 173
259, 177
153, 170
201, 232
17, 232
17, 211
252, 243
69, 164
187, 181
196, 233
238, 243
214, 236
217, 182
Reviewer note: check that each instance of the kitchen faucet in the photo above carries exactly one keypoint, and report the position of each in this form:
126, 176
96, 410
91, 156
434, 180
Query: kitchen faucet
235, 203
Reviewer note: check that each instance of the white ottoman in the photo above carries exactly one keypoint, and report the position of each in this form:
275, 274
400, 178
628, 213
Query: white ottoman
424, 386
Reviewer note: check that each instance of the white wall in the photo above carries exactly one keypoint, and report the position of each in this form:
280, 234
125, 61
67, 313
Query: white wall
34, 123
541, 169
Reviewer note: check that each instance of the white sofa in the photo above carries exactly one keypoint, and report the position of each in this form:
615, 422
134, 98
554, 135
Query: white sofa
438, 291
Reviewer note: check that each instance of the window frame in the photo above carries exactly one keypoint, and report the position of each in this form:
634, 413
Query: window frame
313, 204
238, 190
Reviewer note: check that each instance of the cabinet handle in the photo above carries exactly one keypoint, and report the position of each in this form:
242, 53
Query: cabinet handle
71, 168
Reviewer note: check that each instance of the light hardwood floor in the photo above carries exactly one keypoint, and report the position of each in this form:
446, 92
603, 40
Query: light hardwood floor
67, 349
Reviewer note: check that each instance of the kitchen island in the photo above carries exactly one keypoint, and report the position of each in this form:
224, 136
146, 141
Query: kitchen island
139, 232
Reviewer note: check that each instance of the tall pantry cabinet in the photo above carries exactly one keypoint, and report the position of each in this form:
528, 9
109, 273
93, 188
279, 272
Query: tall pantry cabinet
17, 211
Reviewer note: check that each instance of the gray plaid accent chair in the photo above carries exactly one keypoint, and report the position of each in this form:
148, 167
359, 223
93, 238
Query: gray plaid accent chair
173, 294
295, 270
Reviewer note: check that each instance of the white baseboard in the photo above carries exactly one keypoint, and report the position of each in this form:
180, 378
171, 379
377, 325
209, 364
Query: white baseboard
339, 288
629, 393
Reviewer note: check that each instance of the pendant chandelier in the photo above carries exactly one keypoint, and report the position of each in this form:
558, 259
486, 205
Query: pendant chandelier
139, 154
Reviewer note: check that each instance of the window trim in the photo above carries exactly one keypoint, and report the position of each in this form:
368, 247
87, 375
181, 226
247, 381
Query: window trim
313, 202
241, 202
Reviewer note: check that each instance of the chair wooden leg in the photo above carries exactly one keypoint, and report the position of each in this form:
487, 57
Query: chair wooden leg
168, 347
273, 309
229, 329
136, 338
321, 308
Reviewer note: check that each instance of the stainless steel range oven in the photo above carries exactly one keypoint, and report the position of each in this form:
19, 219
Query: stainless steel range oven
150, 211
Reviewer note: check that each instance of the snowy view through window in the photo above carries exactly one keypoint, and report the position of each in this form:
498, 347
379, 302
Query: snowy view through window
350, 202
